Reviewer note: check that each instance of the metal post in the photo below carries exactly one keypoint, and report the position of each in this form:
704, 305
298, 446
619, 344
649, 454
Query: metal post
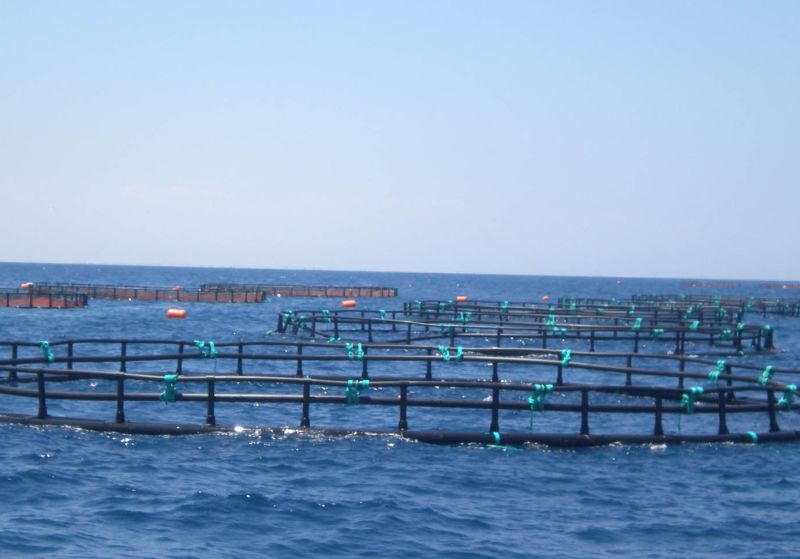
773, 419
584, 411
629, 375
305, 422
211, 418
364, 373
40, 393
403, 423
723, 417
299, 372
728, 373
495, 401
429, 365
659, 428
120, 416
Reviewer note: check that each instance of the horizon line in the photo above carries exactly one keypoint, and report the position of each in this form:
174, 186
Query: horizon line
217, 267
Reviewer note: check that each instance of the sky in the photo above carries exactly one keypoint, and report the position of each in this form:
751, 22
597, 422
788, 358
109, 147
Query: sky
647, 139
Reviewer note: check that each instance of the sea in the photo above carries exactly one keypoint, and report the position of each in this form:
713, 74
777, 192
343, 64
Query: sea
70, 493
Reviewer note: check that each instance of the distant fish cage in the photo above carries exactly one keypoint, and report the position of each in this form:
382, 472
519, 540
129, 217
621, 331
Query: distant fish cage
26, 299
306, 290
142, 293
698, 306
710, 284
759, 305
206, 293
491, 372
475, 320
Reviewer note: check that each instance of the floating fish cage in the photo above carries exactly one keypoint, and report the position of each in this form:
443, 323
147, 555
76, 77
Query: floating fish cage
715, 284
697, 307
433, 371
26, 299
780, 285
763, 305
141, 293
206, 293
306, 290
474, 321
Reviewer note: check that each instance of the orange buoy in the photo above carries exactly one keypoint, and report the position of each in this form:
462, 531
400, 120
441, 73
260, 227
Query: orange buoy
349, 303
176, 313
461, 298
26, 285
545, 297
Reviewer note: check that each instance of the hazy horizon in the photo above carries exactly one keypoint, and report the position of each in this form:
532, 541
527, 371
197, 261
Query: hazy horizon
213, 267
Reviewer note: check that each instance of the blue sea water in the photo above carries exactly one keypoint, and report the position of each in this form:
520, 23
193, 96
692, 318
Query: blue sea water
72, 493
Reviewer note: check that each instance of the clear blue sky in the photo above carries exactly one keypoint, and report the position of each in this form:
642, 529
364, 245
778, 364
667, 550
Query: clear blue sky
585, 138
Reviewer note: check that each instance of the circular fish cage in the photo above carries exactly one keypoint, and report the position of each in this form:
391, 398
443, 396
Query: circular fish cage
25, 298
575, 373
205, 293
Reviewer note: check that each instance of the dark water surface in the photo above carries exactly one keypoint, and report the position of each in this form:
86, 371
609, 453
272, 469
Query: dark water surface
71, 493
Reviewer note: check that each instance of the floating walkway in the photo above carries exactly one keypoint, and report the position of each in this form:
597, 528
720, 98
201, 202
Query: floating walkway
207, 293
26, 299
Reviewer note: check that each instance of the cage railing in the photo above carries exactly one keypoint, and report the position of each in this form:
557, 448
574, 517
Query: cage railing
732, 392
371, 324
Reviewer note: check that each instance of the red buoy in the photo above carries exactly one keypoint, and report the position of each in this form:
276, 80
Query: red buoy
545, 298
461, 298
176, 313
347, 303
